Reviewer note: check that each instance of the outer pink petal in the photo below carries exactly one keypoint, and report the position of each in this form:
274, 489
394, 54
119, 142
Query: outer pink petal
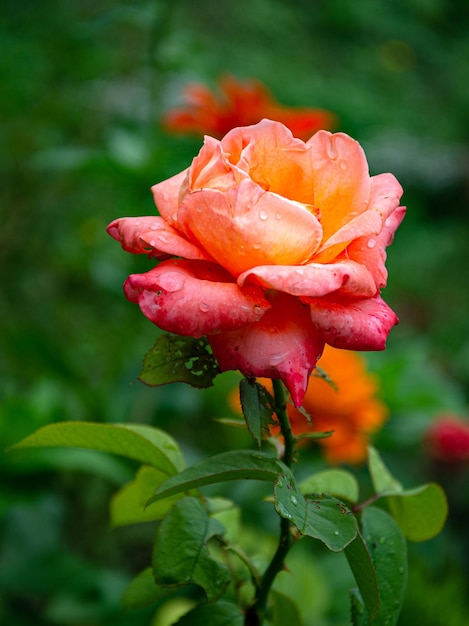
353, 324
283, 344
194, 298
313, 279
341, 179
248, 226
167, 196
370, 251
152, 235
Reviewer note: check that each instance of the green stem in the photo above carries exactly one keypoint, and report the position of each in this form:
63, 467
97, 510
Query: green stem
256, 612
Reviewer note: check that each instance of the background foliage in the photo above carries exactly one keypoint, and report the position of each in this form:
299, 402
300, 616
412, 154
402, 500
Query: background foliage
84, 85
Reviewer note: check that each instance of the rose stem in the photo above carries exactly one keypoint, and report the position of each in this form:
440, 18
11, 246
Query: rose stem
255, 613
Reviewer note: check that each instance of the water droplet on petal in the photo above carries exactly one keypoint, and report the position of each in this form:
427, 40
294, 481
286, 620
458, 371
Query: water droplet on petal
278, 216
331, 148
277, 358
199, 208
204, 307
388, 222
257, 246
371, 243
343, 165
154, 226
263, 215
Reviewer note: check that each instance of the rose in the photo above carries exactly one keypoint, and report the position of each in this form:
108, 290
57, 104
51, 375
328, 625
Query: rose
270, 247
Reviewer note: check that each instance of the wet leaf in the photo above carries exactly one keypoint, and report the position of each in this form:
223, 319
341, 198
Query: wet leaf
174, 359
320, 517
339, 483
388, 551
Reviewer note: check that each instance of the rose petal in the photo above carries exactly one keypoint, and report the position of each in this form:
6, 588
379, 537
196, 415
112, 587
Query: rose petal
194, 298
283, 344
341, 179
353, 324
152, 235
313, 279
278, 162
211, 168
166, 196
386, 193
247, 226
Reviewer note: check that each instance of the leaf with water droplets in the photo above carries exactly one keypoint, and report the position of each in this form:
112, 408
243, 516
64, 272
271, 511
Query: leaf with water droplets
174, 359
336, 482
317, 516
388, 551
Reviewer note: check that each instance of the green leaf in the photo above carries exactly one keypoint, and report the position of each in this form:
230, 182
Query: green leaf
364, 573
142, 591
218, 614
323, 517
222, 467
181, 556
383, 481
256, 403
175, 359
387, 547
142, 443
283, 610
420, 512
128, 505
335, 482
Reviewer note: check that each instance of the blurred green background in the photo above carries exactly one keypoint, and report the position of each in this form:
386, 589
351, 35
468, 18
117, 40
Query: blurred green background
84, 85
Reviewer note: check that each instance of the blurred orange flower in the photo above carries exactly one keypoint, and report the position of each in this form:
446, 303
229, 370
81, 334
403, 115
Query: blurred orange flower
351, 410
239, 103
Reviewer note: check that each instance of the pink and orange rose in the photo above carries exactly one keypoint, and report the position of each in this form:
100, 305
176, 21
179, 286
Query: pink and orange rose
271, 247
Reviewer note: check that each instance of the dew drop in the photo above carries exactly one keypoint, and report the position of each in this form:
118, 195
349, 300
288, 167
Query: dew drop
257, 246
263, 215
278, 216
343, 165
388, 222
382, 540
152, 243
293, 500
279, 484
371, 243
331, 149
154, 226
277, 358
204, 307
199, 208
336, 533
